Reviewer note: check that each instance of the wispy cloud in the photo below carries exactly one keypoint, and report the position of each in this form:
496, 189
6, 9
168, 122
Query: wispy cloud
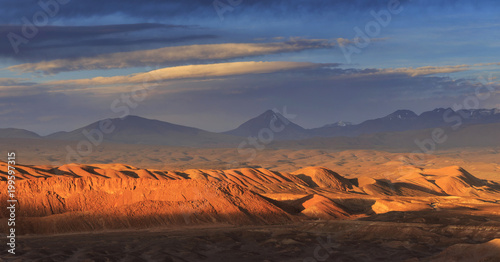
402, 71
204, 72
426, 70
172, 55
486, 64
218, 70
190, 71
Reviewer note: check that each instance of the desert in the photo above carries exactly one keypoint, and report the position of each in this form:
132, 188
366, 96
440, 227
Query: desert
255, 214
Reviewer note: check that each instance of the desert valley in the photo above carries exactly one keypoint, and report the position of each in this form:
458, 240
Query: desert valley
249, 130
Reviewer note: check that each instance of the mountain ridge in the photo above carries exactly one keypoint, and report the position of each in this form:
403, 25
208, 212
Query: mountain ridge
268, 125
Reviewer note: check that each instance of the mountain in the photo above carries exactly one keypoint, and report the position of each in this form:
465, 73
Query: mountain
268, 126
270, 122
17, 133
404, 120
138, 130
471, 135
400, 120
480, 115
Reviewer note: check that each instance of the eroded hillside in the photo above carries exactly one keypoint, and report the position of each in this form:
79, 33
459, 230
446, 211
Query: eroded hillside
76, 198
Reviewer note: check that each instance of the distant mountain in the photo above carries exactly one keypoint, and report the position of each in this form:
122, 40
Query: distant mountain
17, 133
400, 120
471, 135
404, 120
138, 130
281, 127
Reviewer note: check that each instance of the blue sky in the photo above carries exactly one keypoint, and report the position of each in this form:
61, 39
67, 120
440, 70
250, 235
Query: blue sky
218, 63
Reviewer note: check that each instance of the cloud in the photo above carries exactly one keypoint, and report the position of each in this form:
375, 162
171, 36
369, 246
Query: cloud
205, 72
401, 71
426, 70
172, 55
344, 42
486, 64
50, 32
53, 42
190, 71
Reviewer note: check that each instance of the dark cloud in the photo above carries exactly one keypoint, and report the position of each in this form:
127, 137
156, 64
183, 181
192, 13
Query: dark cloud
59, 32
132, 33
52, 42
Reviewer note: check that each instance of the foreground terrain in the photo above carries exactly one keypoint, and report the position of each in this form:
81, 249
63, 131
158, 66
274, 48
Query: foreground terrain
254, 214
344, 240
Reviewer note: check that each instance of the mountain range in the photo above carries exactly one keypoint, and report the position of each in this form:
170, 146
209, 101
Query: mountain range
404, 120
269, 125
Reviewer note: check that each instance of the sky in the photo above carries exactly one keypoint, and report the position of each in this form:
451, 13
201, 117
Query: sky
215, 64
